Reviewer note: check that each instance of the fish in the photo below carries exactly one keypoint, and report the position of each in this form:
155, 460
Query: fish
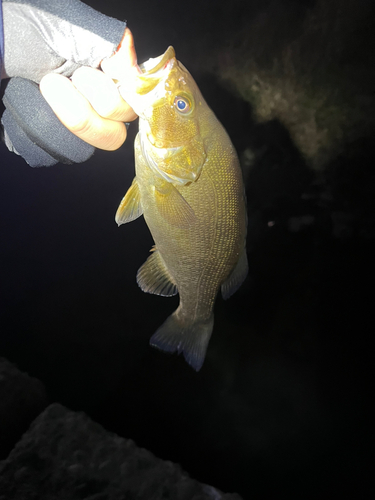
188, 186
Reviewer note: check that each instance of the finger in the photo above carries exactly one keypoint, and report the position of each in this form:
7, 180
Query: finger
76, 113
126, 48
124, 62
102, 93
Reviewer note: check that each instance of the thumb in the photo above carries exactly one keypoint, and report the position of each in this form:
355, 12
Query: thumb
123, 63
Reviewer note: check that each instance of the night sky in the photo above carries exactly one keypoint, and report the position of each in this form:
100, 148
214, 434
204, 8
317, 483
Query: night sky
280, 407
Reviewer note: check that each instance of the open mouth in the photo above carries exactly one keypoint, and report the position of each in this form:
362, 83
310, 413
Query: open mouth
154, 71
156, 64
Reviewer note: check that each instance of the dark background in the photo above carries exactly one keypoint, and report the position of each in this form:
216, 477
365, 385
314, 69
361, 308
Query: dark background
280, 407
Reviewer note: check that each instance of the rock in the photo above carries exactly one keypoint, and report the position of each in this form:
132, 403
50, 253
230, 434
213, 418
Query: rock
22, 398
65, 455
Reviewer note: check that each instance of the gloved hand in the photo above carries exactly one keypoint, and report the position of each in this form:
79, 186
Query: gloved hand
43, 37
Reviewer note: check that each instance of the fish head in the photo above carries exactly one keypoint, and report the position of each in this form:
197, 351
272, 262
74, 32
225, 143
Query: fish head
169, 104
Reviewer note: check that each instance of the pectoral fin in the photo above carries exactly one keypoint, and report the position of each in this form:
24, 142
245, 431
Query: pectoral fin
236, 278
130, 207
173, 207
154, 277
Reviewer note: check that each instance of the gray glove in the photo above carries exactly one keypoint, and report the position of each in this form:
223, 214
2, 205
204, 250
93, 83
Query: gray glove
44, 36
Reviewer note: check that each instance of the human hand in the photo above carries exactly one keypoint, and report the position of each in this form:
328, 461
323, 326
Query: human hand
89, 104
67, 39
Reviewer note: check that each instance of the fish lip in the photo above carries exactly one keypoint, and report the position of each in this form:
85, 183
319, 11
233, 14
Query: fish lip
160, 63
150, 84
141, 89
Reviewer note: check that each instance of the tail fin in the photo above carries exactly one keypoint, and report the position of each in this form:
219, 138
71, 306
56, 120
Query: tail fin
189, 339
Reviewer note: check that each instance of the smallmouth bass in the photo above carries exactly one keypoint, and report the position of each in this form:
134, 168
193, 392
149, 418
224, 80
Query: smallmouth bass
189, 188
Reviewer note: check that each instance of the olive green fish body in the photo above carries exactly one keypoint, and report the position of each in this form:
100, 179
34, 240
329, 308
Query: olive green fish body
198, 225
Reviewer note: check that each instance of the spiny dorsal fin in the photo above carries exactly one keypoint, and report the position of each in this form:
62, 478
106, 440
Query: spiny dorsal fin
236, 277
130, 207
173, 207
154, 277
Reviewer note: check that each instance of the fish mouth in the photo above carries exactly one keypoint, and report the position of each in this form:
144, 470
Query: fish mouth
156, 64
154, 71
145, 88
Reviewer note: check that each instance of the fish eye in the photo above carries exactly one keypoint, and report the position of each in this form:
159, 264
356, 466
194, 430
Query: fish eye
182, 104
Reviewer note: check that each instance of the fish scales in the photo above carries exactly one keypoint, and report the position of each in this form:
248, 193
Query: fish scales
201, 257
189, 187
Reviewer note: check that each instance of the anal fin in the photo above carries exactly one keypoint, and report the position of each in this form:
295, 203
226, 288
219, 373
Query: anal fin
236, 277
154, 277
130, 207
